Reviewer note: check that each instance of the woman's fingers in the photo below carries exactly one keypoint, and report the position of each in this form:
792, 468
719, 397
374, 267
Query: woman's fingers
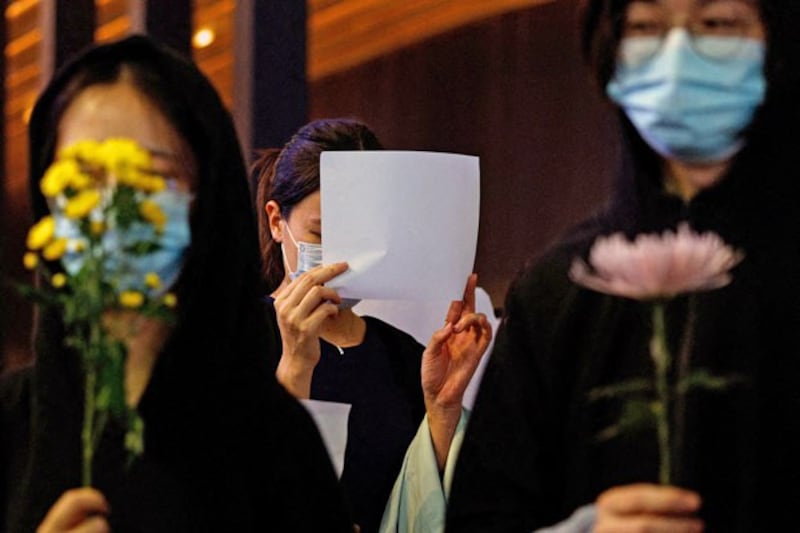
95, 524
651, 524
316, 296
647, 507
478, 323
304, 294
73, 508
325, 273
438, 338
466, 304
645, 498
454, 311
469, 293
295, 291
313, 322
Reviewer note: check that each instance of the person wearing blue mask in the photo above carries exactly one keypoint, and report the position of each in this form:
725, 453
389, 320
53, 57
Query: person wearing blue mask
225, 448
328, 353
706, 94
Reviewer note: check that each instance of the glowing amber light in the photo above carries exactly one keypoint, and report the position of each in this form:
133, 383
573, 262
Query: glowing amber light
203, 38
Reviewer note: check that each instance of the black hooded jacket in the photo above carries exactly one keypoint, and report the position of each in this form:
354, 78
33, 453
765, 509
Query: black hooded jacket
531, 456
226, 448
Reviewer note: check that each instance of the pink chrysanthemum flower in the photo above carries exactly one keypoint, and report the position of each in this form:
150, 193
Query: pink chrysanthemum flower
656, 266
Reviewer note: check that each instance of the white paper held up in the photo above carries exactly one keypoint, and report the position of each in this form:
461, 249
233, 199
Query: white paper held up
331, 419
405, 222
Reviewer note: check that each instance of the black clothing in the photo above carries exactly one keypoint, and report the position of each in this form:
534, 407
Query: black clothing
380, 379
226, 448
530, 454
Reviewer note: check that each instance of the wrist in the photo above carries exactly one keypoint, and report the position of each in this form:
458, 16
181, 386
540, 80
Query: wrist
442, 426
441, 408
295, 376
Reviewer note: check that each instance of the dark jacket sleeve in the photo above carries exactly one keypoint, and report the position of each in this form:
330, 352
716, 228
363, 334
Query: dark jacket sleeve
307, 492
15, 412
506, 476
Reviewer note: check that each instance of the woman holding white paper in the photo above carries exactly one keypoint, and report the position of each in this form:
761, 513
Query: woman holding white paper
329, 353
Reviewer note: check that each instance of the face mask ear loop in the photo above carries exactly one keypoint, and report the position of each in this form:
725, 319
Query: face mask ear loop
283, 251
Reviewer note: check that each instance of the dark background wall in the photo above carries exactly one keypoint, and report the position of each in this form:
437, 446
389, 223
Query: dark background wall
512, 90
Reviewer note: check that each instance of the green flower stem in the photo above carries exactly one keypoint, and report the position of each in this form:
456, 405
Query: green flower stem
662, 361
87, 432
683, 367
93, 419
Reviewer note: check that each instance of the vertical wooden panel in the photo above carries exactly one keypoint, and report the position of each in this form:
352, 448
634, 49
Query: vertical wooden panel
243, 54
171, 23
279, 91
4, 223
215, 54
75, 21
22, 73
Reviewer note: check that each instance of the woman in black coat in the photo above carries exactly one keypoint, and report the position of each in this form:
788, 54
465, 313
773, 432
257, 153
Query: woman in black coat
717, 152
225, 447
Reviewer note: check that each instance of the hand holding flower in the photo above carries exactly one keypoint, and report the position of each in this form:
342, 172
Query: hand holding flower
645, 507
77, 510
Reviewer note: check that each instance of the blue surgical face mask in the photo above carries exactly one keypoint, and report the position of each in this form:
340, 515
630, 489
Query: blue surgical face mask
684, 105
166, 261
309, 255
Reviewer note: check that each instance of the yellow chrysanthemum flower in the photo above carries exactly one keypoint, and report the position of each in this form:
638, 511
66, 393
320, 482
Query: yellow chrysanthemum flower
153, 214
87, 150
97, 227
118, 154
58, 280
30, 260
152, 183
131, 299
82, 204
152, 280
170, 300
41, 233
80, 181
55, 249
129, 177
58, 176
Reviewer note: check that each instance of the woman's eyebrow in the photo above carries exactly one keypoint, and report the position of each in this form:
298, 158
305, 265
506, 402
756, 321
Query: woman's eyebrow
162, 154
706, 2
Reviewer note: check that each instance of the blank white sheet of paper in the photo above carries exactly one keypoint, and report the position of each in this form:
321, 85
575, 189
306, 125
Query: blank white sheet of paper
406, 222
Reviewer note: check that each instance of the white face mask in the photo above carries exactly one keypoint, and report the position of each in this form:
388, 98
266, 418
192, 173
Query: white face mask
685, 106
309, 255
129, 269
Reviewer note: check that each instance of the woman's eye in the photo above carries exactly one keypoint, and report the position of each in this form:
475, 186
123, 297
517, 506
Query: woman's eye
726, 17
721, 25
642, 28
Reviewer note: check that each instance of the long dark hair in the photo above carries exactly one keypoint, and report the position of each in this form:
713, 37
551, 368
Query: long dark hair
288, 175
212, 394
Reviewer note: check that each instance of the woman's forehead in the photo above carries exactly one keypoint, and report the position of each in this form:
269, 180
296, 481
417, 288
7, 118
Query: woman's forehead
120, 110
